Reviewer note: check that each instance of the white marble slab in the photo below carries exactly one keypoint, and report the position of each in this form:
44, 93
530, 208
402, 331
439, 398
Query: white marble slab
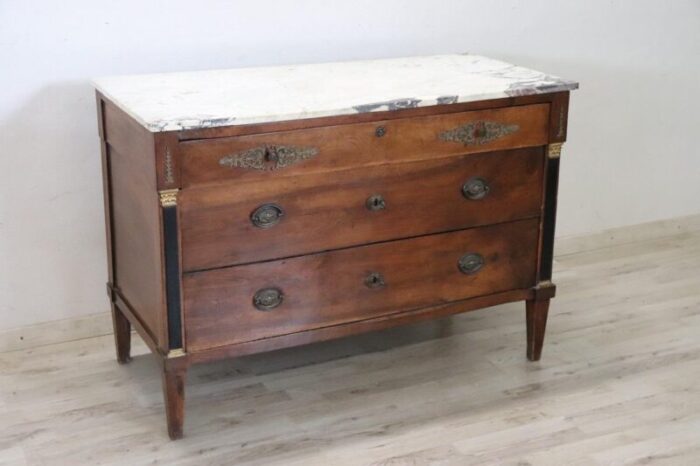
205, 99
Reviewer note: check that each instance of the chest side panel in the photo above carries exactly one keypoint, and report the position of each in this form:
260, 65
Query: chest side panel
135, 221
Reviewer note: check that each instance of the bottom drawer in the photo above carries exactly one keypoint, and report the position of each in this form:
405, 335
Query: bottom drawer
255, 301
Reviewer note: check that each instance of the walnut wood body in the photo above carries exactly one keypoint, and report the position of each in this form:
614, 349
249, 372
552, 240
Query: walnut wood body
328, 241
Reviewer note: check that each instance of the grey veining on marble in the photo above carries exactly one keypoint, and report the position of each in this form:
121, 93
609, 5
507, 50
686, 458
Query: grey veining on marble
206, 99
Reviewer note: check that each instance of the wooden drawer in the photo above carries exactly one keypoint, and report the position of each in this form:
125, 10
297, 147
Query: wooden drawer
263, 156
320, 212
346, 285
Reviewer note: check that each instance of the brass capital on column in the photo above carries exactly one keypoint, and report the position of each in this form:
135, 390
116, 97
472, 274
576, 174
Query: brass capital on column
554, 150
168, 197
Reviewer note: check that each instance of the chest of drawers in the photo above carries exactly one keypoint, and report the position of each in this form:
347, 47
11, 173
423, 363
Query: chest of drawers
255, 209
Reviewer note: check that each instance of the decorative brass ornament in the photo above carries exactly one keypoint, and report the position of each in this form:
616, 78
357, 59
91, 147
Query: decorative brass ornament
562, 116
544, 284
176, 353
268, 157
554, 150
168, 197
478, 132
169, 170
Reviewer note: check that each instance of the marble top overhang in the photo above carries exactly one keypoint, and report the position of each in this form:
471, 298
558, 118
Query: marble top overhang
206, 99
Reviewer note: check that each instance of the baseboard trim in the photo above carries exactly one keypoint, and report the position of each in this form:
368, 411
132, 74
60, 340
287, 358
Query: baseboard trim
57, 331
94, 325
576, 244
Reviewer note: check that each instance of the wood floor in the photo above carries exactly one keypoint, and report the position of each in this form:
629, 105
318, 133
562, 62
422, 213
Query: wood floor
619, 383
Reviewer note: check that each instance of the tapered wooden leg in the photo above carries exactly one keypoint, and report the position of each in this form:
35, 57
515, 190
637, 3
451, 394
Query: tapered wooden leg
174, 394
122, 335
536, 316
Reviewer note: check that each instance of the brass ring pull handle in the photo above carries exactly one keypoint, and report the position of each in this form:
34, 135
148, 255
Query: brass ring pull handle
267, 299
375, 280
475, 188
471, 263
375, 202
267, 215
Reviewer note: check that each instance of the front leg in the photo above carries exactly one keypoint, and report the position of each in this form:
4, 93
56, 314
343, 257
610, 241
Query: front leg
174, 395
536, 317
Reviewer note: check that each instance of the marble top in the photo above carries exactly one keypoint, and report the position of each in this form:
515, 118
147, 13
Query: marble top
206, 99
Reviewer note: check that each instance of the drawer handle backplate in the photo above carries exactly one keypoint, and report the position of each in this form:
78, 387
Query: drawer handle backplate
267, 215
471, 263
267, 299
475, 188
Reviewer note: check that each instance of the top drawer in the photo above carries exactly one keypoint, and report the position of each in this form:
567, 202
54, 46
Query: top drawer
362, 144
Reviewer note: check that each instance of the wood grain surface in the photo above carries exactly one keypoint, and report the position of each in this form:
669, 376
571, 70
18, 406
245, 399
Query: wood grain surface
328, 211
357, 145
330, 288
135, 221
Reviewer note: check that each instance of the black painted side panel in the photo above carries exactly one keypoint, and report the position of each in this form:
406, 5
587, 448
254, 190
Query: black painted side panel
550, 216
172, 277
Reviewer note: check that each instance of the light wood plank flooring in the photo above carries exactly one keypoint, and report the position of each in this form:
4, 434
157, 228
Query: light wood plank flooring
619, 383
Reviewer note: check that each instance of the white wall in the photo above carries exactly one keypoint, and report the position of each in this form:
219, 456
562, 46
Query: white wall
631, 157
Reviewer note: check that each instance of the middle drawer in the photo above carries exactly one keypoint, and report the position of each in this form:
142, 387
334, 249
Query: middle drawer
282, 217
